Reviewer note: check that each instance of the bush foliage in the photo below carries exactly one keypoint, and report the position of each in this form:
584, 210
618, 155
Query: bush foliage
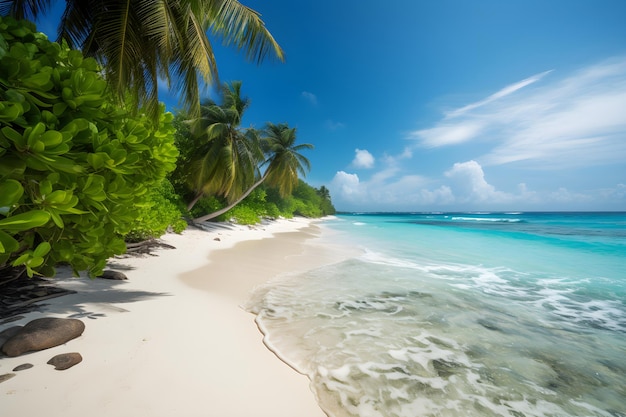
266, 202
75, 170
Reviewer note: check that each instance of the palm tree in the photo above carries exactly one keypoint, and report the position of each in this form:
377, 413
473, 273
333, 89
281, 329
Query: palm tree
228, 155
324, 193
142, 42
284, 163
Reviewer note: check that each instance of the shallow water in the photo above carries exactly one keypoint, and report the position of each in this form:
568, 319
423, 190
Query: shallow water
460, 315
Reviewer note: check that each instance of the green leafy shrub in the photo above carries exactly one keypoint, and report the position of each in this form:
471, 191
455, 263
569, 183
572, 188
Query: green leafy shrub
75, 169
242, 214
159, 212
208, 204
272, 211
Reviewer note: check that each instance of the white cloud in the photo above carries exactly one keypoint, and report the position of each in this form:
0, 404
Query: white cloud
464, 186
576, 121
441, 196
385, 188
470, 184
310, 97
347, 185
362, 159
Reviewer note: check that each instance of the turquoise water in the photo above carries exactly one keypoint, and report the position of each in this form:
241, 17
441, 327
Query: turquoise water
460, 314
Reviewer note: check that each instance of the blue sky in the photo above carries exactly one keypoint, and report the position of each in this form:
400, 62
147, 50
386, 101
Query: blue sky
448, 105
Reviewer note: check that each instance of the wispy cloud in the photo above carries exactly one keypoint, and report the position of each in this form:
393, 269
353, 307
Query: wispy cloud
578, 120
310, 97
496, 96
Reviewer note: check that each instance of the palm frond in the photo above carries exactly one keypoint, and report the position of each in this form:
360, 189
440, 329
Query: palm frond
24, 9
76, 25
192, 55
241, 26
284, 162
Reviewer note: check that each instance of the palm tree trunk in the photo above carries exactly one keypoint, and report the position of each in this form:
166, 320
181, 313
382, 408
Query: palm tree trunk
194, 201
231, 205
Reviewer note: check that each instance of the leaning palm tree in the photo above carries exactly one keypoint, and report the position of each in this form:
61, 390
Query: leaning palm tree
228, 156
143, 42
283, 164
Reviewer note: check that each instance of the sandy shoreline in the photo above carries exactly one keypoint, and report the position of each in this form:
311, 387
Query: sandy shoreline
173, 339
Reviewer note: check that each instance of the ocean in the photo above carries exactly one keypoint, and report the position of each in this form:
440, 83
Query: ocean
459, 314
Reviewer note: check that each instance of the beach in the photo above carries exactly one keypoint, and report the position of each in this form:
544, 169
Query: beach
173, 339
389, 315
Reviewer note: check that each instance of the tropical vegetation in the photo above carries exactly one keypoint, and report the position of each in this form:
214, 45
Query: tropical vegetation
267, 203
228, 160
88, 162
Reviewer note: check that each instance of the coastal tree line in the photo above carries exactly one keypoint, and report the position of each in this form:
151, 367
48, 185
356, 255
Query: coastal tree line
89, 157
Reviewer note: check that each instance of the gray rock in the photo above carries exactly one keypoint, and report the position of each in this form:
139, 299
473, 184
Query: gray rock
6, 334
5, 377
22, 367
65, 360
42, 334
115, 275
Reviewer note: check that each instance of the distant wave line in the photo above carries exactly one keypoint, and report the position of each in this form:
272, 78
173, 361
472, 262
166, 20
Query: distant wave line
488, 219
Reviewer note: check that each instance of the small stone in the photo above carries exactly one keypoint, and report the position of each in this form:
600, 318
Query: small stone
65, 361
114, 275
217, 239
6, 377
22, 367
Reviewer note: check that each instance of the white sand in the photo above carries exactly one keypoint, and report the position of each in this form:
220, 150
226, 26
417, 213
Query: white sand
173, 339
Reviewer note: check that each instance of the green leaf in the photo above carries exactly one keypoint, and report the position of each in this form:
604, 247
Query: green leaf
38, 80
12, 135
97, 160
42, 249
33, 133
10, 192
75, 58
58, 221
45, 187
25, 221
51, 138
59, 108
7, 243
34, 262
58, 197
11, 112
21, 260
